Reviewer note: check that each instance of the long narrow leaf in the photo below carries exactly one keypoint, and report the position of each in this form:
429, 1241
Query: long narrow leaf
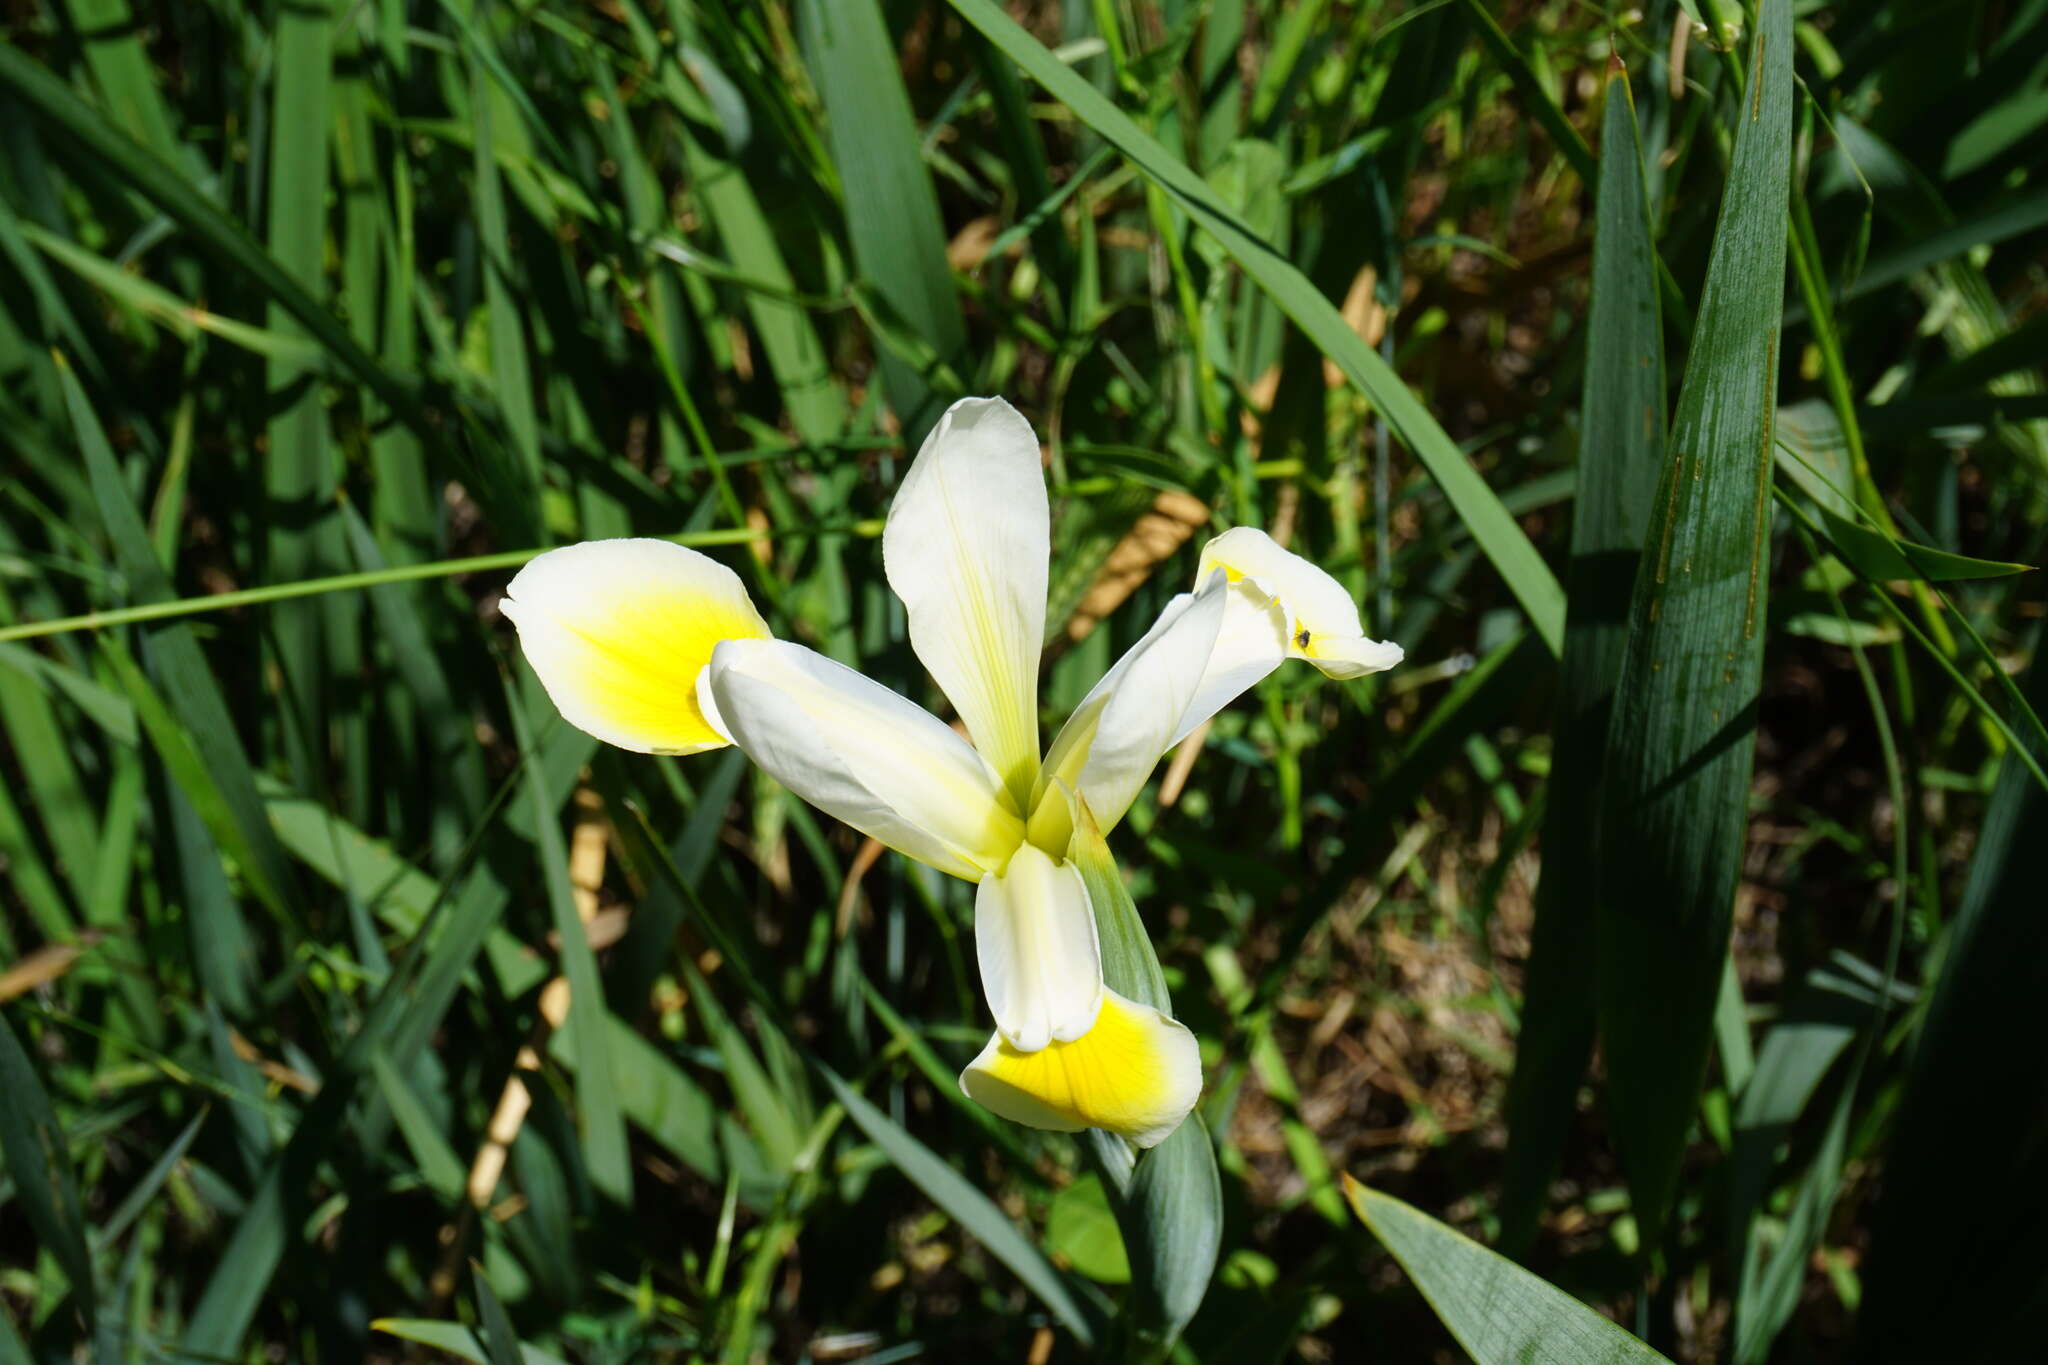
1680, 744
1499, 1312
1956, 1266
39, 1162
1620, 452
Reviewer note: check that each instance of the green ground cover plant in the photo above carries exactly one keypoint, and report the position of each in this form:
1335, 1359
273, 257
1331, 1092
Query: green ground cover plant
1647, 968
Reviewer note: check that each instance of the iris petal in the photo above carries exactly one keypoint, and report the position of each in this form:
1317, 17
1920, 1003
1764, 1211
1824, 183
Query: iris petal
1034, 938
860, 752
1322, 621
966, 547
618, 632
1137, 1073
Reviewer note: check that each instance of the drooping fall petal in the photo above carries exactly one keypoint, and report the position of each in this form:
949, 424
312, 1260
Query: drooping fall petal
1136, 1073
860, 752
618, 632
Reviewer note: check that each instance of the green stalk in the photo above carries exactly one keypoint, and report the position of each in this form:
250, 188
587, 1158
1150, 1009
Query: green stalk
402, 573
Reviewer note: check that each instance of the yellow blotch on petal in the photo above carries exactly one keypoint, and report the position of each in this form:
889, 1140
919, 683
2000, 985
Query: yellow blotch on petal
618, 631
1136, 1073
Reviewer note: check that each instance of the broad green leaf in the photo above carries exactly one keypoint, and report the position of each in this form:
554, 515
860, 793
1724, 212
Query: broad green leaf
1680, 741
1500, 1313
1080, 1227
1170, 1204
1621, 450
1172, 1215
1130, 967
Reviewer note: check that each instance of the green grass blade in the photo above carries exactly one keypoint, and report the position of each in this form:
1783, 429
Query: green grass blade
1504, 542
281, 592
455, 1339
1529, 86
39, 1162
658, 1096
1954, 1266
767, 1110
1621, 451
1500, 1313
501, 1343
966, 1205
602, 1125
892, 214
299, 466
1887, 558
152, 1182
50, 777
114, 51
511, 377
816, 408
432, 1155
230, 243
193, 729
1798, 1053
1680, 745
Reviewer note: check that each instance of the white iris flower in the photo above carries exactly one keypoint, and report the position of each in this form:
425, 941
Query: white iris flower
656, 648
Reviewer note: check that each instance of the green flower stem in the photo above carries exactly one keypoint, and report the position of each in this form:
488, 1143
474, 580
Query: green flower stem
348, 582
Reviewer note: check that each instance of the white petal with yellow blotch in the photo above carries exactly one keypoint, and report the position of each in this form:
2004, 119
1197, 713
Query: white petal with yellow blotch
966, 547
861, 753
1034, 938
618, 631
1322, 620
1137, 1073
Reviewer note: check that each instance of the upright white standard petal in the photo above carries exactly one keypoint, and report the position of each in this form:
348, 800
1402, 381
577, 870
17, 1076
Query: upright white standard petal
619, 631
1322, 620
966, 547
859, 752
1034, 936
1205, 649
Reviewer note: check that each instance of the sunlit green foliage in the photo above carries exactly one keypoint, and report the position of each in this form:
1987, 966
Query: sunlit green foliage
354, 1007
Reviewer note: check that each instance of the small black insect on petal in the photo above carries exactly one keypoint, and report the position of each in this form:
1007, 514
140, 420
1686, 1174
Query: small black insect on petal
1301, 639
